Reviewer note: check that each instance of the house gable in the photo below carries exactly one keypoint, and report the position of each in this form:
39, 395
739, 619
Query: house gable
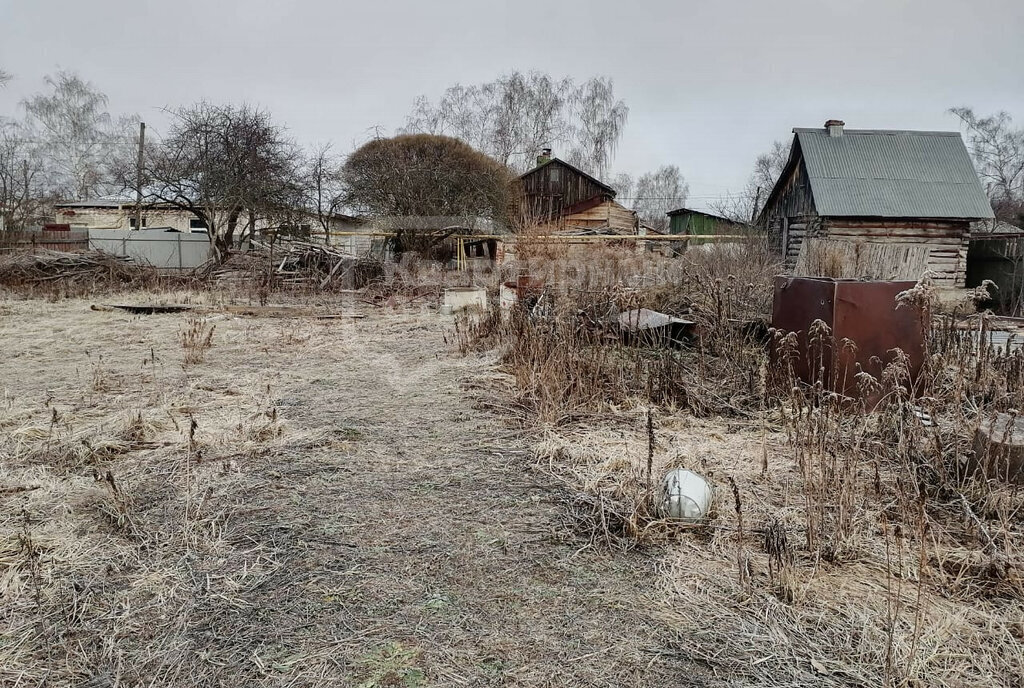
555, 188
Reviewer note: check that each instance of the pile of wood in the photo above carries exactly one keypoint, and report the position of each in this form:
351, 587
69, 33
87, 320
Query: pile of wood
85, 268
299, 263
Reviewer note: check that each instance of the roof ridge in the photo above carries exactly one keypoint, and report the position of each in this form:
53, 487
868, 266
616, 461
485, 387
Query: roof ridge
886, 132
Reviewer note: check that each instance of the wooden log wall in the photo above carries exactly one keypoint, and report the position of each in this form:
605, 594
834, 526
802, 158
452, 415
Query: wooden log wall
947, 241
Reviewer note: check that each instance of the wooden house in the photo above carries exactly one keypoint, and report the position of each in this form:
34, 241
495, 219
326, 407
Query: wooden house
561, 197
876, 203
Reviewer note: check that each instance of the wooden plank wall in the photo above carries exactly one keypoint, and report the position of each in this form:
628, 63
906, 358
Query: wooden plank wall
36, 240
608, 215
947, 242
845, 259
548, 191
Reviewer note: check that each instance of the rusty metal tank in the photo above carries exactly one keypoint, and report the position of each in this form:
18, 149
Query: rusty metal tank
864, 312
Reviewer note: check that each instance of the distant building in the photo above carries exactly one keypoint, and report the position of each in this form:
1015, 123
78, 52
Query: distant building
117, 211
688, 221
563, 197
879, 203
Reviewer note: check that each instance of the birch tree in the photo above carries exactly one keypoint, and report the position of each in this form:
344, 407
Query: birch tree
513, 117
657, 193
75, 136
998, 151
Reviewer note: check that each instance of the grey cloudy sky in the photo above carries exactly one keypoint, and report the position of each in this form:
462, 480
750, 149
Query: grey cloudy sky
709, 84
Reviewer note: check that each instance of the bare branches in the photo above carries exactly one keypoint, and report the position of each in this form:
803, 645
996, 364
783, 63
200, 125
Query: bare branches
74, 135
659, 192
998, 151
514, 116
597, 124
220, 161
323, 190
768, 166
426, 175
23, 195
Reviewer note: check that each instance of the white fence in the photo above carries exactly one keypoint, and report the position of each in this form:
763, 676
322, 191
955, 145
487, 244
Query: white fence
163, 249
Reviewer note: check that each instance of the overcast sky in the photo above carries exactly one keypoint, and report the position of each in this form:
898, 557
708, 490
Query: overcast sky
709, 84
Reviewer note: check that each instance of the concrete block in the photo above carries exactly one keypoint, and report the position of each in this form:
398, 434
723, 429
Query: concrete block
461, 298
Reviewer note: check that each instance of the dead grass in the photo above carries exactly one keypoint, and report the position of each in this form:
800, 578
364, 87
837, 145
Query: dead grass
317, 503
844, 548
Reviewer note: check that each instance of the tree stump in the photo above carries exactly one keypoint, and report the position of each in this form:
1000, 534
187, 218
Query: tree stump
999, 448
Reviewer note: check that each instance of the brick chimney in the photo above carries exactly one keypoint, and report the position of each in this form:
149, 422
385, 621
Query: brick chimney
545, 156
834, 127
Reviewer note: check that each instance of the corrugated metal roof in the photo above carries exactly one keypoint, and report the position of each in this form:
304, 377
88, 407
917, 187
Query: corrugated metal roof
880, 173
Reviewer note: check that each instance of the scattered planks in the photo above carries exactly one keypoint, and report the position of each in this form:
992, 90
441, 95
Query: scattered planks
253, 311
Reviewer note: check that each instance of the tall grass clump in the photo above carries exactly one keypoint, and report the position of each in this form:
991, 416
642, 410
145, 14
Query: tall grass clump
196, 339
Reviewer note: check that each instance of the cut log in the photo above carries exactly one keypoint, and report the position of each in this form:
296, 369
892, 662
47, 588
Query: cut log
999, 448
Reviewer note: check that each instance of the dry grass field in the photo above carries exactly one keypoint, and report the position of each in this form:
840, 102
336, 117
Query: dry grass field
304, 502
372, 496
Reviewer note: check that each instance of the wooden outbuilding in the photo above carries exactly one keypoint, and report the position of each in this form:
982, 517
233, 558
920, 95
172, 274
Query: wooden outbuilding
559, 196
876, 203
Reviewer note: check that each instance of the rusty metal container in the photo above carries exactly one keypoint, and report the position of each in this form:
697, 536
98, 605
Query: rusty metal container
861, 311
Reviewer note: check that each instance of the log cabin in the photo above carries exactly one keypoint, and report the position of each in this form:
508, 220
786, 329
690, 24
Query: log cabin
880, 204
561, 197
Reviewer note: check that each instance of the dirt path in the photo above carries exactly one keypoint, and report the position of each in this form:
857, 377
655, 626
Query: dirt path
431, 546
352, 516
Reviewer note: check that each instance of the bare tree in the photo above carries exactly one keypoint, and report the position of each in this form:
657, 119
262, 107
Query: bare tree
623, 184
998, 152
5, 77
597, 124
226, 165
768, 167
75, 135
23, 198
657, 193
323, 187
514, 116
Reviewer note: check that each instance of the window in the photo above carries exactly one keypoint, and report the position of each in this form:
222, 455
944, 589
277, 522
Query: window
196, 225
131, 223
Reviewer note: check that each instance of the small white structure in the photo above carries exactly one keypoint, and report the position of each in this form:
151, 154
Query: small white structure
461, 298
686, 496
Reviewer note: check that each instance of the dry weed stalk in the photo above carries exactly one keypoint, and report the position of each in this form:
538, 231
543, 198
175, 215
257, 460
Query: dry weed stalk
887, 504
196, 339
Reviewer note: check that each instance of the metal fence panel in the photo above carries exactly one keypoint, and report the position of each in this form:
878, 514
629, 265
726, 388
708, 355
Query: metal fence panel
164, 250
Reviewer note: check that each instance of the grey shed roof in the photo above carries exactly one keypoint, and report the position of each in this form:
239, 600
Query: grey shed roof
881, 173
